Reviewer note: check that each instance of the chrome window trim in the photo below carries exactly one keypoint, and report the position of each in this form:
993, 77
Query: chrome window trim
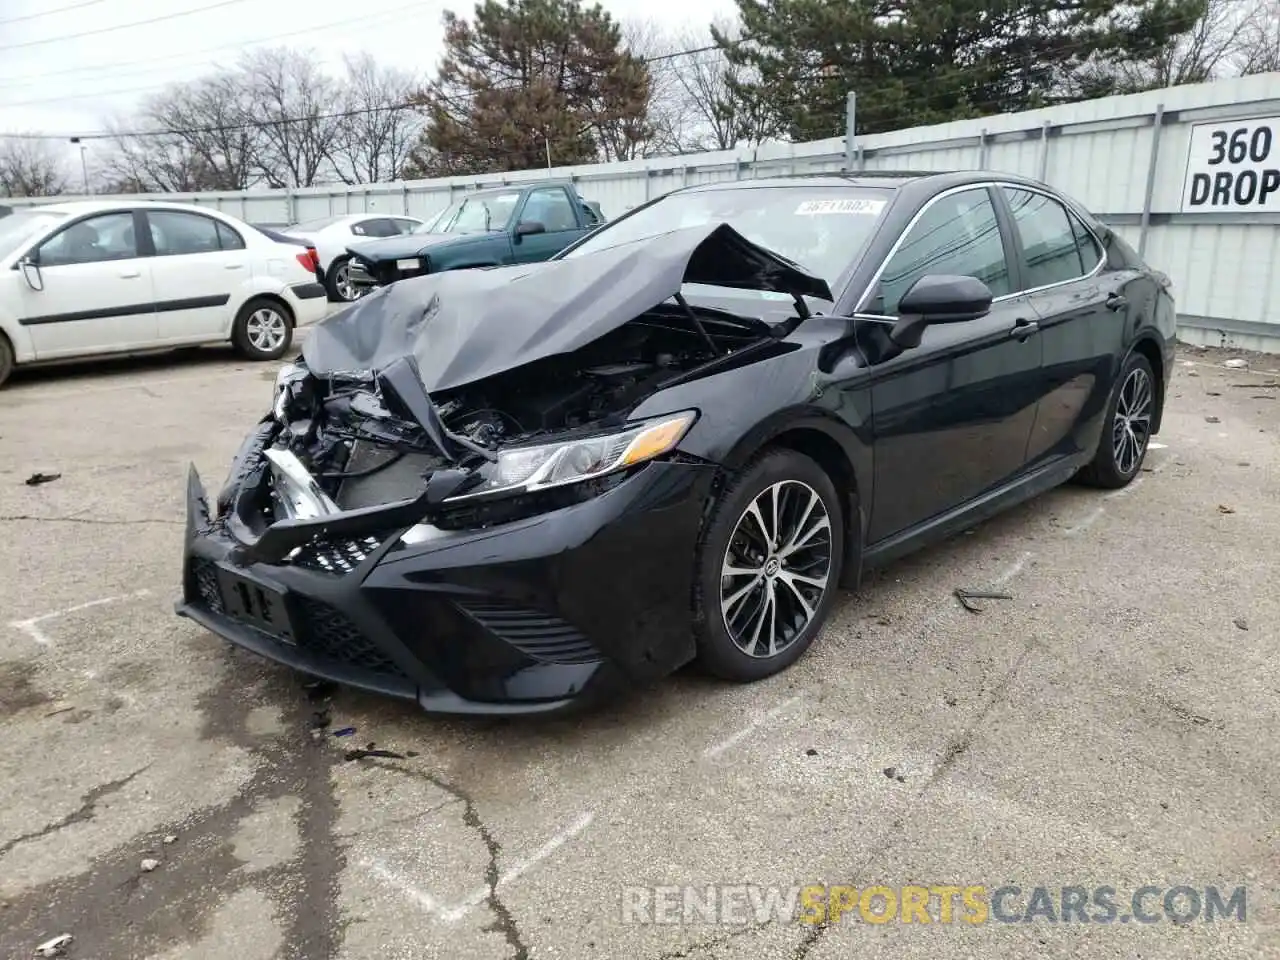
980, 185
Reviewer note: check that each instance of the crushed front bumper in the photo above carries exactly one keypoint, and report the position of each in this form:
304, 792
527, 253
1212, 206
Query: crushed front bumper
530, 616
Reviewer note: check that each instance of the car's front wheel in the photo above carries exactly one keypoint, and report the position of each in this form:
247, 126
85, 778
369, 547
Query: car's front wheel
263, 330
1127, 430
768, 567
338, 281
6, 359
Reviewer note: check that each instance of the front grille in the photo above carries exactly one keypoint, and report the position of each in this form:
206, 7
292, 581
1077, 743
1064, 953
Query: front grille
326, 632
206, 577
336, 556
540, 636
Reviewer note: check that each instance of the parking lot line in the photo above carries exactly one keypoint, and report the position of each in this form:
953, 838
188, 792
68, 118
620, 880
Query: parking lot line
31, 626
453, 913
738, 736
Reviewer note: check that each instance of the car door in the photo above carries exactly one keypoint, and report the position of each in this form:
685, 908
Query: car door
96, 292
201, 266
1080, 309
950, 418
551, 207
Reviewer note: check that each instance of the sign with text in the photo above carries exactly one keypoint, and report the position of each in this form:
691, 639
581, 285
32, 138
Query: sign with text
1233, 166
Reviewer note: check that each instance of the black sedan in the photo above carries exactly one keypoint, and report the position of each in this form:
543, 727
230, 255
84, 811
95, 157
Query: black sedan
519, 489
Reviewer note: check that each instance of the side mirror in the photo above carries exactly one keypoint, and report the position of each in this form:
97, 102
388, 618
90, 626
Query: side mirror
526, 227
31, 273
938, 298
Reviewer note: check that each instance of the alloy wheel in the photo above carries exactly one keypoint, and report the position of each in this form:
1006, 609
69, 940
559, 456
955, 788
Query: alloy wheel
342, 282
1132, 427
776, 568
266, 329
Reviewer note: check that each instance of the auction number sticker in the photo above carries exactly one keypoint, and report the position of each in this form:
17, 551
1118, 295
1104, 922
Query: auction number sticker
1234, 166
870, 208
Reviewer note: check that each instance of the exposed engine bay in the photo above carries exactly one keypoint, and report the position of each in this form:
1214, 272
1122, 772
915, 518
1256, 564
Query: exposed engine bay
365, 444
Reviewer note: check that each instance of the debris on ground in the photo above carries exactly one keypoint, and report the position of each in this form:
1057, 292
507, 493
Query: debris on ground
893, 774
55, 947
360, 754
1223, 508
1236, 364
149, 864
1241, 622
345, 732
966, 598
320, 719
171, 838
1262, 396
1212, 393
1272, 385
1212, 420
811, 752
38, 478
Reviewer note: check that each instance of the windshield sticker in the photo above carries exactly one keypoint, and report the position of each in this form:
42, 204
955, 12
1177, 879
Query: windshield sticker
869, 208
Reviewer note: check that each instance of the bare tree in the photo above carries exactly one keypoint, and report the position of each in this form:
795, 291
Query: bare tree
670, 116
373, 144
1259, 46
298, 108
197, 135
29, 167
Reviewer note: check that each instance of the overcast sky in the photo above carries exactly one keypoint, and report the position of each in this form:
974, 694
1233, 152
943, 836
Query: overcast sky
53, 81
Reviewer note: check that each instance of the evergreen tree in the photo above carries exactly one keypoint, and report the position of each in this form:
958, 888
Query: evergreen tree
528, 78
916, 62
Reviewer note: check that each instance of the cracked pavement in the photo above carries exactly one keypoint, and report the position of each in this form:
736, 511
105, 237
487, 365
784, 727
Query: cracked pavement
1111, 724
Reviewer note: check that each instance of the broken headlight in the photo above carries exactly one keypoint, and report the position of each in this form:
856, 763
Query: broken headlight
533, 468
289, 374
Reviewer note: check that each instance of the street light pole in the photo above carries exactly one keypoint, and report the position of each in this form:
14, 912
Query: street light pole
84, 166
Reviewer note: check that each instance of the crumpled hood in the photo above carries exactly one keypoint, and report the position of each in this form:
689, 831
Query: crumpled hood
464, 325
410, 244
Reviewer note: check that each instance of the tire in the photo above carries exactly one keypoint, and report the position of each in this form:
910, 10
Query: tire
1127, 430
732, 534
6, 359
337, 283
250, 336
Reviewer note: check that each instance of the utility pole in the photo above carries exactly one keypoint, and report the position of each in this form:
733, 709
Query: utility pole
84, 167
850, 137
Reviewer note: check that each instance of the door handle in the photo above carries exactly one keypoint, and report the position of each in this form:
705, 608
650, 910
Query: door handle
1023, 328
1117, 301
234, 266
130, 274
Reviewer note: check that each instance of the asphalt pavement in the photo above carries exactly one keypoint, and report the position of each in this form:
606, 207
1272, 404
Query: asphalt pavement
1111, 724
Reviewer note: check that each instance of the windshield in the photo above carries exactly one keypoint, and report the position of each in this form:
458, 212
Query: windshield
822, 229
21, 225
477, 213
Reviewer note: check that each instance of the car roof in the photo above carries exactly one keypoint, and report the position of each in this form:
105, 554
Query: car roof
881, 179
77, 207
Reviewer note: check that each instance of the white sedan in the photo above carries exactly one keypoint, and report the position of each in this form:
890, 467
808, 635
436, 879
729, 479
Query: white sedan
91, 278
331, 237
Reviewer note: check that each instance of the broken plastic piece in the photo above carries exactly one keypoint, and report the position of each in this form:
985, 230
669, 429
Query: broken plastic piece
344, 732
149, 864
55, 947
966, 598
38, 478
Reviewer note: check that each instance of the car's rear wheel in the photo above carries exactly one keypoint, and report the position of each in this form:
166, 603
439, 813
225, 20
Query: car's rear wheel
768, 567
6, 359
263, 330
1127, 430
338, 281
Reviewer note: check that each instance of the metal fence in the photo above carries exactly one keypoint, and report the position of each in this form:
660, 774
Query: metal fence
1189, 175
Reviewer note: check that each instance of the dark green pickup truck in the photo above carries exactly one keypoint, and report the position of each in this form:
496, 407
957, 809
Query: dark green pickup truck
483, 229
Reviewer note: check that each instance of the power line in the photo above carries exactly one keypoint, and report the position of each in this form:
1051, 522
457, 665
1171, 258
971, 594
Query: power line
949, 97
370, 19
50, 13
120, 26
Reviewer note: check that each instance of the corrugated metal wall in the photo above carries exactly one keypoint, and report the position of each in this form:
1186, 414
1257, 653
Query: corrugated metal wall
1224, 264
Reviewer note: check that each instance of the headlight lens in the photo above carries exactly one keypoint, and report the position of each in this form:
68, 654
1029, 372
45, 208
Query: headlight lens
289, 374
528, 469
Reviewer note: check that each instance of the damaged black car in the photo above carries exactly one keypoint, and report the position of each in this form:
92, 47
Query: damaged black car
517, 489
